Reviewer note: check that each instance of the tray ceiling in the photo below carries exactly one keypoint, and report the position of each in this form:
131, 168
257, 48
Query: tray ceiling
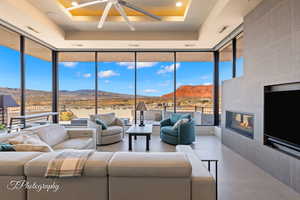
157, 7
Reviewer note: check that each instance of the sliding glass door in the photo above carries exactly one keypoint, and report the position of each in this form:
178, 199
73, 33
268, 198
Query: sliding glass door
38, 76
194, 93
116, 83
155, 84
76, 85
9, 72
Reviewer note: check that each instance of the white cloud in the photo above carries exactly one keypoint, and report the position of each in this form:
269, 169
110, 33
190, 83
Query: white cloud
130, 65
87, 75
205, 77
167, 69
150, 91
69, 64
146, 64
208, 83
107, 81
107, 74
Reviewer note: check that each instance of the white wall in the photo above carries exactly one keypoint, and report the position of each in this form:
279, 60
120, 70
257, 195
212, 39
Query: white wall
272, 56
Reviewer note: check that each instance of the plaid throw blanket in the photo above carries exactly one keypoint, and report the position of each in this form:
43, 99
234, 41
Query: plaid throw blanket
68, 163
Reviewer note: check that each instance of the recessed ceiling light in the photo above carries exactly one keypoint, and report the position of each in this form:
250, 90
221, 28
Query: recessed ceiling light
77, 45
190, 45
134, 45
179, 4
222, 29
74, 3
32, 29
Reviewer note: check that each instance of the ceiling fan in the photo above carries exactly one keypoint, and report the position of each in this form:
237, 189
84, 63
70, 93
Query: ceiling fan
118, 4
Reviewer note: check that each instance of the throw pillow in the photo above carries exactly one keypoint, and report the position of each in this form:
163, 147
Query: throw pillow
108, 119
25, 138
179, 123
29, 142
100, 122
52, 134
32, 147
6, 147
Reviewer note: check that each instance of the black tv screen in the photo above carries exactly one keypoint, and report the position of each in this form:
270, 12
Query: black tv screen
282, 116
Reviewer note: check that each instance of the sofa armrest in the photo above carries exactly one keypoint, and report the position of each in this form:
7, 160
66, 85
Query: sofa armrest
186, 133
203, 183
165, 122
98, 129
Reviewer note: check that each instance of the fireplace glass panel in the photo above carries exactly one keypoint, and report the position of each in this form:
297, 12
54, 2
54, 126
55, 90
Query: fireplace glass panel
241, 123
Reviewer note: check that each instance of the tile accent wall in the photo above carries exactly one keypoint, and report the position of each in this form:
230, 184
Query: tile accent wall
272, 56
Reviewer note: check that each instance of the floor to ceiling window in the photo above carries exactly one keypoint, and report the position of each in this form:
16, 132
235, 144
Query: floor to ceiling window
116, 82
194, 92
38, 76
225, 68
225, 65
9, 71
76, 85
155, 84
240, 55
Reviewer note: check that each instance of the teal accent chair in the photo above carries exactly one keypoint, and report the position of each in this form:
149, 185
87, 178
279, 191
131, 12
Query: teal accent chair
184, 134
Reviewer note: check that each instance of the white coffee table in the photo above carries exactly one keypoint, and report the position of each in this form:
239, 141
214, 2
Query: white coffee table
136, 130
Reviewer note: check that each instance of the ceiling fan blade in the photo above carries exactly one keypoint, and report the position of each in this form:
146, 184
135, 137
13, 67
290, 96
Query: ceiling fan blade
86, 4
123, 13
105, 14
133, 7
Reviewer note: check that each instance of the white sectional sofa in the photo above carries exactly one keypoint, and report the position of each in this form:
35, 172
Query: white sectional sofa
58, 137
113, 176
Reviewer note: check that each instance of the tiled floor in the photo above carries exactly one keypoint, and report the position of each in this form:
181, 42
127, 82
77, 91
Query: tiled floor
239, 179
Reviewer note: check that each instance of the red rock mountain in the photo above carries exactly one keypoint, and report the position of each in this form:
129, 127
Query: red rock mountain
192, 91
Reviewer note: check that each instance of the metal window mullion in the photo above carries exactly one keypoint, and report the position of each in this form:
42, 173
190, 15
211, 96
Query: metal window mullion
175, 82
96, 83
135, 86
55, 85
216, 88
234, 57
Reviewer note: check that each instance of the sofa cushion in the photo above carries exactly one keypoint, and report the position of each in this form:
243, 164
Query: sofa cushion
129, 164
12, 163
75, 143
52, 134
169, 130
96, 165
108, 118
112, 130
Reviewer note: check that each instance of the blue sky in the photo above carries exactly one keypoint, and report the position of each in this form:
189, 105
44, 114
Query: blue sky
154, 78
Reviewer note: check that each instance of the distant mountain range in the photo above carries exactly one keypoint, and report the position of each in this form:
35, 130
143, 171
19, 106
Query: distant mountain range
198, 91
192, 91
76, 94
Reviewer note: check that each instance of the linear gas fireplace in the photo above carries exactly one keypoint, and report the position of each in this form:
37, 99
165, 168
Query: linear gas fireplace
241, 123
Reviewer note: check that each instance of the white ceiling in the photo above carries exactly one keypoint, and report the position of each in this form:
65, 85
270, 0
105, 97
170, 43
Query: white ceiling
199, 29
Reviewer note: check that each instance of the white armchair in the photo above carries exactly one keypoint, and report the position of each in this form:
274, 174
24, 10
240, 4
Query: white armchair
114, 132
